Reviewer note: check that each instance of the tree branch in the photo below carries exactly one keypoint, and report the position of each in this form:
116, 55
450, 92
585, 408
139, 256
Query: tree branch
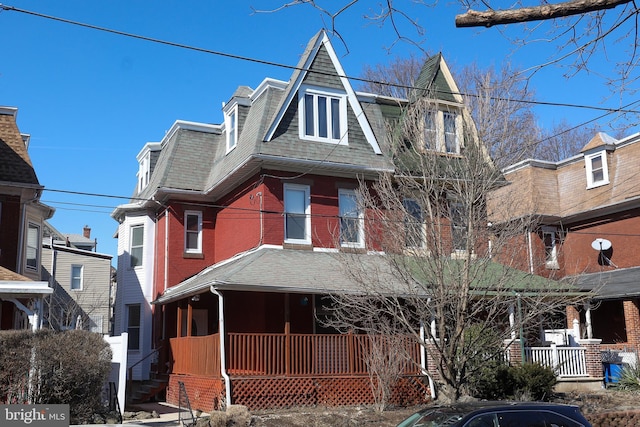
474, 18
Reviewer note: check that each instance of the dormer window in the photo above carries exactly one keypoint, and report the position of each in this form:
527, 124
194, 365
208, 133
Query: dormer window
231, 123
597, 170
442, 130
323, 115
143, 173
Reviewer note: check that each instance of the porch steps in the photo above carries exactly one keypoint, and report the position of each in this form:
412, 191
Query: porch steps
148, 390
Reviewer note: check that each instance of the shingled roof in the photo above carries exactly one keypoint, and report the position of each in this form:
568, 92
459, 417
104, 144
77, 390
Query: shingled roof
15, 163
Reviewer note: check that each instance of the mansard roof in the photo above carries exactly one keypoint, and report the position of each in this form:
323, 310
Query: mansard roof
15, 163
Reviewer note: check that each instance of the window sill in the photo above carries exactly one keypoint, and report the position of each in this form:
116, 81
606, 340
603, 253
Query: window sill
552, 265
302, 246
193, 255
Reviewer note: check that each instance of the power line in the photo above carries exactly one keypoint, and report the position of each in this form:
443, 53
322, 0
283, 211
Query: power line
291, 67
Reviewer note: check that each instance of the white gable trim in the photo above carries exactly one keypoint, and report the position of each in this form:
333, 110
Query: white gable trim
351, 95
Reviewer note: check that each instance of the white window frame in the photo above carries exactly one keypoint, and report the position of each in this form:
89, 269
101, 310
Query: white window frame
231, 125
358, 217
131, 327
198, 232
144, 172
591, 182
551, 250
316, 93
132, 246
33, 244
435, 136
72, 277
288, 209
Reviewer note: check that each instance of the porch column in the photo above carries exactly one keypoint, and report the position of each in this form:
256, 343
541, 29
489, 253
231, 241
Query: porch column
587, 315
512, 321
179, 322
593, 357
189, 317
632, 322
432, 351
287, 332
573, 321
515, 351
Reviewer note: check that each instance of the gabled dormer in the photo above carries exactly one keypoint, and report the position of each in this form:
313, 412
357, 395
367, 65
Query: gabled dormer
321, 99
596, 159
233, 114
147, 158
438, 108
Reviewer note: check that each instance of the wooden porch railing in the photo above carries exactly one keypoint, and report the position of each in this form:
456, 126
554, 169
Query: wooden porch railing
567, 362
196, 355
289, 354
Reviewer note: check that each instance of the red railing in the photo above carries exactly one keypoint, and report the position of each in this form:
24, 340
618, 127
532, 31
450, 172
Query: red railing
196, 355
271, 355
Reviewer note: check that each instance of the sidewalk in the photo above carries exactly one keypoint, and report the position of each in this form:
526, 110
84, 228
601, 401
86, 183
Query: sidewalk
169, 416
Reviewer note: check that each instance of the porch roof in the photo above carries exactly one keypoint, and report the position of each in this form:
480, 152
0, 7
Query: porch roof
615, 284
14, 285
270, 269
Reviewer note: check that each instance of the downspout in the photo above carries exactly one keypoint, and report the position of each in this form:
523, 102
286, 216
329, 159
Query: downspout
166, 267
423, 362
530, 250
223, 353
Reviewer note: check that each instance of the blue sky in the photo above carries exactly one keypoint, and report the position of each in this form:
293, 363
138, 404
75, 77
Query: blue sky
90, 100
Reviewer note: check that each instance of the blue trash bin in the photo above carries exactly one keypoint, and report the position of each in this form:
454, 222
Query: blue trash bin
612, 372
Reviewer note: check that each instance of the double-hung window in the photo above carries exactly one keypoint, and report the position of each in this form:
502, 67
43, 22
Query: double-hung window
137, 245
597, 170
76, 277
414, 232
550, 238
33, 246
133, 326
351, 219
297, 214
450, 134
231, 123
193, 232
441, 131
323, 115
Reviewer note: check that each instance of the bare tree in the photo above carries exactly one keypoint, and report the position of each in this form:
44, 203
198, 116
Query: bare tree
439, 280
581, 34
499, 101
562, 141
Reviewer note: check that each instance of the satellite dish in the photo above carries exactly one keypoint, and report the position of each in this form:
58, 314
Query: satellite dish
601, 244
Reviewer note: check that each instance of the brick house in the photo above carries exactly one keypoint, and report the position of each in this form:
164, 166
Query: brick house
588, 211
227, 247
22, 290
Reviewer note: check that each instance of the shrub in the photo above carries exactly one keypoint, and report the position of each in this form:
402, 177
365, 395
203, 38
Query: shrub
499, 381
64, 368
534, 381
629, 378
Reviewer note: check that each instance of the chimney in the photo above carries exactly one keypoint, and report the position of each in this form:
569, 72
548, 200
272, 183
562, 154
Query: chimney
86, 231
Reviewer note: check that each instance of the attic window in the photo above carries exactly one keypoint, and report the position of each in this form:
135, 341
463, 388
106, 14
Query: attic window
322, 115
143, 173
231, 123
597, 170
442, 130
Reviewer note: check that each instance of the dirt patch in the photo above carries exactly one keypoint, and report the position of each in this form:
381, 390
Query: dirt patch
590, 403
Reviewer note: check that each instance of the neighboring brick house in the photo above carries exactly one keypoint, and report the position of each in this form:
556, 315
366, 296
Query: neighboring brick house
225, 249
81, 280
588, 211
21, 219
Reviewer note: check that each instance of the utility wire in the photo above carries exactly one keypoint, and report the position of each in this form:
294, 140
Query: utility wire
291, 67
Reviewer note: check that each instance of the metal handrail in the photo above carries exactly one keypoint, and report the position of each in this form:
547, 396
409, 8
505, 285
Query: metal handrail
130, 369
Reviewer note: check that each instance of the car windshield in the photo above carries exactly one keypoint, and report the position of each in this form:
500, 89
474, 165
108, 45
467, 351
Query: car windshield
436, 417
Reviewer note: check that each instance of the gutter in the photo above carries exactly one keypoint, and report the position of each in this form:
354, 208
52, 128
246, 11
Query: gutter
223, 353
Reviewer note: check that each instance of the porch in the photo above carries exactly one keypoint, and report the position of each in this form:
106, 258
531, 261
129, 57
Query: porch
270, 370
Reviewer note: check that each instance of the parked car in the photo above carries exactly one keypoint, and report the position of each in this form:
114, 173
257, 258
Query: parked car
498, 414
